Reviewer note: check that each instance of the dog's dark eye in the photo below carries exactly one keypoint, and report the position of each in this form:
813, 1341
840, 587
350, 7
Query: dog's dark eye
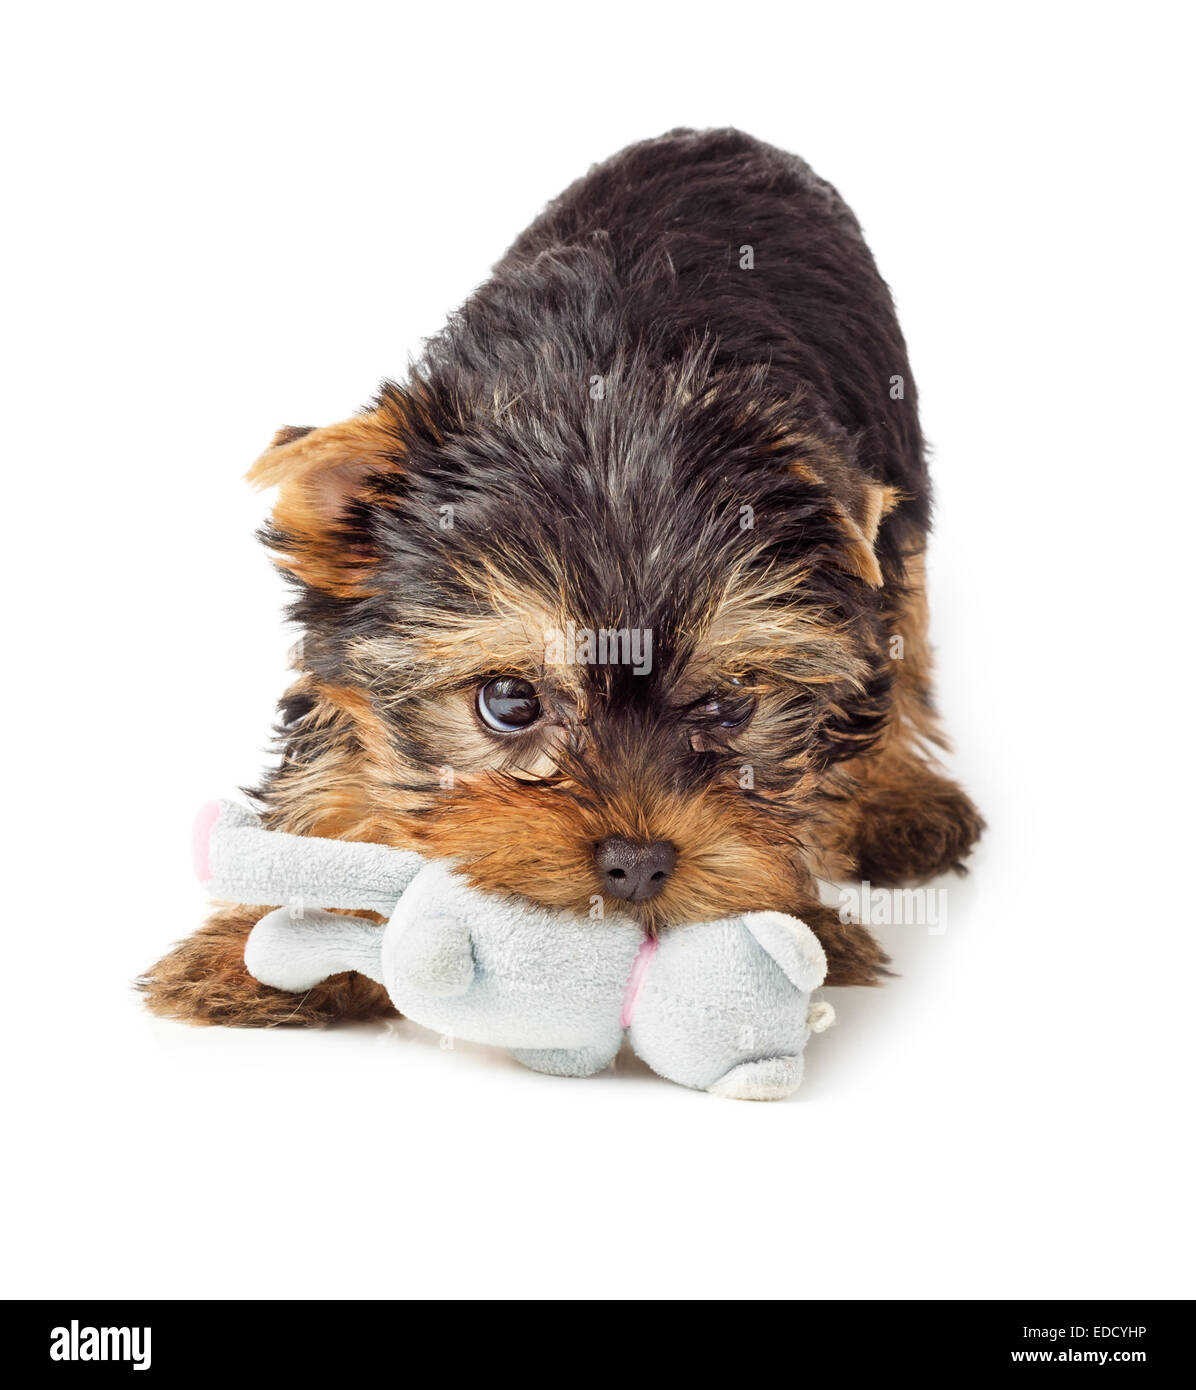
733, 707
508, 704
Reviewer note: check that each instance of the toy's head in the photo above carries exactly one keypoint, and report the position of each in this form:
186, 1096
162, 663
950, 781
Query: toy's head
598, 638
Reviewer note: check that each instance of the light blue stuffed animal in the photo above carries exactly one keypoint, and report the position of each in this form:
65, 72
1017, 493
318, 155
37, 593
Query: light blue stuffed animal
719, 1006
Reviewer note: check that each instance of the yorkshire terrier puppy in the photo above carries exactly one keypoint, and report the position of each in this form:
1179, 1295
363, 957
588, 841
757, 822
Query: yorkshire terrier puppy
619, 600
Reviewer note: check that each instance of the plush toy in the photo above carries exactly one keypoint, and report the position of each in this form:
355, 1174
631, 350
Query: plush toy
719, 1006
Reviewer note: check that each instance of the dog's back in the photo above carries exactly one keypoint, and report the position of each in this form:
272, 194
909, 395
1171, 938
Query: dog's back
715, 236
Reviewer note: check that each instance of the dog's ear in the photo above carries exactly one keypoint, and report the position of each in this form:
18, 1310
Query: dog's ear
857, 505
861, 526
325, 478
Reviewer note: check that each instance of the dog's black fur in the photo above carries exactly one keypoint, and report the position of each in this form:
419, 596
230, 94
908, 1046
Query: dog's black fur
645, 250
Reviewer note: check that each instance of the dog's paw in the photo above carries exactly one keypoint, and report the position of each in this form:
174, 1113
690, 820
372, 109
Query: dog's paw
916, 832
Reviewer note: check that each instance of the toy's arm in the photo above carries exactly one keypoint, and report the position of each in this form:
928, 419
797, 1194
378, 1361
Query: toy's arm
791, 944
294, 951
240, 861
426, 946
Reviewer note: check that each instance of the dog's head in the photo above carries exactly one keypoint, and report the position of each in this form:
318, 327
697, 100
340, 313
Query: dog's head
601, 639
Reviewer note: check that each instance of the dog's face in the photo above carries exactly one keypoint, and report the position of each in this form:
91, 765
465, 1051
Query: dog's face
603, 647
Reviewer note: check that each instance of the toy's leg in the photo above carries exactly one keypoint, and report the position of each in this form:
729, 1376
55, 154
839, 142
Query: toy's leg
566, 1061
204, 980
773, 1078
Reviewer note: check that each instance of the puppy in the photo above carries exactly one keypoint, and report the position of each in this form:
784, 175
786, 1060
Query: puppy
619, 600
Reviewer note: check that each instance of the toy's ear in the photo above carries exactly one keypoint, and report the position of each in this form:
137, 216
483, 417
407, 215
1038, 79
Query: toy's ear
792, 945
327, 480
295, 950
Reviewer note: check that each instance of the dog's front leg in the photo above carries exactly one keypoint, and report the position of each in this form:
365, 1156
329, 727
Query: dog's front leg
204, 980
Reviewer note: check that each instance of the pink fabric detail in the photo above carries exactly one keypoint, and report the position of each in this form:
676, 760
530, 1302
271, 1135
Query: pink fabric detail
635, 979
201, 839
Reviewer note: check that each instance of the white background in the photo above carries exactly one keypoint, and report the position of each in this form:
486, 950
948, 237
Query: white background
227, 219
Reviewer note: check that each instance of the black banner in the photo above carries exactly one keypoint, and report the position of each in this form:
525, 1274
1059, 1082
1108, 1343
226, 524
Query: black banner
165, 1342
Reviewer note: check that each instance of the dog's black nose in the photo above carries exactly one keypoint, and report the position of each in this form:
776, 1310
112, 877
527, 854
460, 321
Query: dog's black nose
633, 870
